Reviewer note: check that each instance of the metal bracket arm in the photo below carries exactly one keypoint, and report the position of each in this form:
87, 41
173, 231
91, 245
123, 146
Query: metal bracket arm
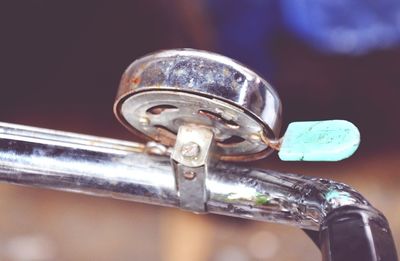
190, 159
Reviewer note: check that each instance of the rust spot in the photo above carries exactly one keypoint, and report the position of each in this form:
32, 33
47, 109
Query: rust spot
158, 109
135, 80
125, 79
215, 116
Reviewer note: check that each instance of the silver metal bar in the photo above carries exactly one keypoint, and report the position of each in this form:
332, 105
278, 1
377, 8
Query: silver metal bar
121, 169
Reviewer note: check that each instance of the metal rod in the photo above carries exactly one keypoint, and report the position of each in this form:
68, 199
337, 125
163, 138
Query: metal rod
121, 169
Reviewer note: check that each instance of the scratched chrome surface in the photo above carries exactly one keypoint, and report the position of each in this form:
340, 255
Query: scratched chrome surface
120, 169
223, 86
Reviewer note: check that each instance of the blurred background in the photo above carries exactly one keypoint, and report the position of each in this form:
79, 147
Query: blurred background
60, 65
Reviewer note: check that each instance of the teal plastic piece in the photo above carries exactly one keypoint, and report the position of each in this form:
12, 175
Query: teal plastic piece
331, 140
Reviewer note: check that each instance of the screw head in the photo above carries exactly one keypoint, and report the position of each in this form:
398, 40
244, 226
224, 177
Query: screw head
190, 150
189, 175
144, 121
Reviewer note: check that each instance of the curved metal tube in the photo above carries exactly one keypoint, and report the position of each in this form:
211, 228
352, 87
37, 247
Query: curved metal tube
121, 169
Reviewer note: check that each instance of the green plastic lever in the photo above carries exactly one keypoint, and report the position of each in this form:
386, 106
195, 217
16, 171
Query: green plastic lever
330, 140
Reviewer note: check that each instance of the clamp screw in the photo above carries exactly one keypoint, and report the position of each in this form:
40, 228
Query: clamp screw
190, 150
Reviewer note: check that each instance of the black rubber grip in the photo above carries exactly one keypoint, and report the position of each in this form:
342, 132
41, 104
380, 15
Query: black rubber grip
355, 233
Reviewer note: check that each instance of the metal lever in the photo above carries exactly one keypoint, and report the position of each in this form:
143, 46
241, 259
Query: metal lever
331, 140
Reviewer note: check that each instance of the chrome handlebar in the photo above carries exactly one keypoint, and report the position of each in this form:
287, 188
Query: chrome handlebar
336, 217
127, 170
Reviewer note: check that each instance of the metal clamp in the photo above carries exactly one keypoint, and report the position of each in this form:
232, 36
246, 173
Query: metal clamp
190, 159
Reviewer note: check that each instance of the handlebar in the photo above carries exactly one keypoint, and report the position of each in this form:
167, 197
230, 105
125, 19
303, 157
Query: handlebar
338, 218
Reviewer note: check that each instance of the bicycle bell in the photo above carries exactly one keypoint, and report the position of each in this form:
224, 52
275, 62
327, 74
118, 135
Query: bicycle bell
165, 90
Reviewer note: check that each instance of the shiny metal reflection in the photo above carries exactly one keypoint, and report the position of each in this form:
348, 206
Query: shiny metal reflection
120, 169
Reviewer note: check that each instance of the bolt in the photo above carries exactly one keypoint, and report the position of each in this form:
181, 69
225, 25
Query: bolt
144, 121
190, 150
189, 175
219, 111
255, 137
